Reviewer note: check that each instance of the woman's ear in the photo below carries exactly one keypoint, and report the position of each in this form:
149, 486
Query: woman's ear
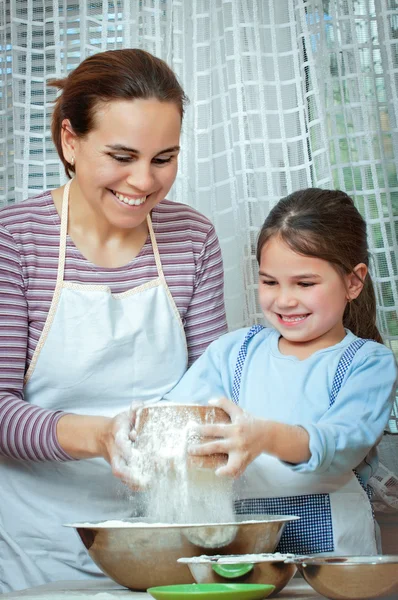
355, 281
68, 140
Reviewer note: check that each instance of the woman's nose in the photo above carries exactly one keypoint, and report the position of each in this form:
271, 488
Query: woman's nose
141, 177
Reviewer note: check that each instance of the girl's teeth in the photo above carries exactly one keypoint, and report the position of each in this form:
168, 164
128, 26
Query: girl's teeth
293, 319
130, 201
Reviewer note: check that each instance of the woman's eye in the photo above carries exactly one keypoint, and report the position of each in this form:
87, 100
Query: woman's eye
123, 158
269, 282
162, 161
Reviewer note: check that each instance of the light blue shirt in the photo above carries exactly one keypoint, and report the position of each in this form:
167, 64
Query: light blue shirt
283, 388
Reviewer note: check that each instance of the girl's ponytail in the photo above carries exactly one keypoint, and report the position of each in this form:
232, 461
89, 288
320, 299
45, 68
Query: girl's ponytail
360, 314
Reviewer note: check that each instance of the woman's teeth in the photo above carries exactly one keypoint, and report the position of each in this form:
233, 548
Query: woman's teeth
292, 319
130, 201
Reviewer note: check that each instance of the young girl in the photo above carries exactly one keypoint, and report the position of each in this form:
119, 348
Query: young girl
312, 394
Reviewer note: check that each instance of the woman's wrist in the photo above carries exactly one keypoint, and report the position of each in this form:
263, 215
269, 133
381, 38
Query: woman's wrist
83, 436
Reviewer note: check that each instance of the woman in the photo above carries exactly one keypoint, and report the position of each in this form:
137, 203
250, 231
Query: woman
108, 292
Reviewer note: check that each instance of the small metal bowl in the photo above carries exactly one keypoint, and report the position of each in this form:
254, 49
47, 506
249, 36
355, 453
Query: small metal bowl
351, 577
141, 555
244, 568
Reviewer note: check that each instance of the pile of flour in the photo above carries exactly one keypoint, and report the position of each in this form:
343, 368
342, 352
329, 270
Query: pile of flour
177, 491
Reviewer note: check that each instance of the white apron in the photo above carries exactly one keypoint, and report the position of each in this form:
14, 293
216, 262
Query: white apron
335, 513
98, 352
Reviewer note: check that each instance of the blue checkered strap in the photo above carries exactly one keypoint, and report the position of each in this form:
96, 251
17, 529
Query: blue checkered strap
240, 361
313, 533
342, 368
344, 362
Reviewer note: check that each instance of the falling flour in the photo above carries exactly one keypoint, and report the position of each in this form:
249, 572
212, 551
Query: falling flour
178, 492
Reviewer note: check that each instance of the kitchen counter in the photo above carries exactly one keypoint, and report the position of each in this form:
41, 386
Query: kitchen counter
105, 589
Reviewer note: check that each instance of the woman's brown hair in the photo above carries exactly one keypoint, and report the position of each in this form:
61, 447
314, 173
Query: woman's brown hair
125, 74
325, 224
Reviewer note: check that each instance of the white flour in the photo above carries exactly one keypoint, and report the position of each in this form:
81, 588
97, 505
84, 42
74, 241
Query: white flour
178, 492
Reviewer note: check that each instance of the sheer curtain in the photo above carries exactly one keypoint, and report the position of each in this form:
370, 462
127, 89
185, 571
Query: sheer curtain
284, 95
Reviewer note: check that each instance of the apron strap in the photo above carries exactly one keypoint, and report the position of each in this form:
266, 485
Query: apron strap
344, 363
240, 361
155, 249
62, 234
342, 368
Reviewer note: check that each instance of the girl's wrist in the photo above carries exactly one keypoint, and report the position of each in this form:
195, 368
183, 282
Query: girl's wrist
289, 443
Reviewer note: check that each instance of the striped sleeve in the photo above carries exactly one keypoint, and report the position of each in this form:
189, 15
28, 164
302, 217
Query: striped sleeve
27, 432
205, 320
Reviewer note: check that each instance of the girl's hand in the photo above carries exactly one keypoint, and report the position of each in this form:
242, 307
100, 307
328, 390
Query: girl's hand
242, 439
247, 437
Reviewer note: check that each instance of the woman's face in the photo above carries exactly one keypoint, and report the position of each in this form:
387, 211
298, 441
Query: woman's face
127, 164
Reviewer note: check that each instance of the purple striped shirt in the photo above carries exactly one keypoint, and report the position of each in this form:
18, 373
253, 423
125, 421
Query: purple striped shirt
29, 246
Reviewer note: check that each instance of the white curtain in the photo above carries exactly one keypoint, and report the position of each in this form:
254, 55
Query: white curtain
285, 94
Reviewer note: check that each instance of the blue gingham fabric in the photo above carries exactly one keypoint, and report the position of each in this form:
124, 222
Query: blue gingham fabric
313, 533
344, 363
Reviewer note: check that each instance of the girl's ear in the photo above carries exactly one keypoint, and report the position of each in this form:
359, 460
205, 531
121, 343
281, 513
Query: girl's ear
355, 281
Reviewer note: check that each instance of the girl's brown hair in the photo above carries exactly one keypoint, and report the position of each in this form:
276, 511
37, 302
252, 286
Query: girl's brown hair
113, 75
325, 224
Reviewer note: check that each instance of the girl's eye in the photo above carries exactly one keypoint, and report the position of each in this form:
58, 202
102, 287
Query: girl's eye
305, 284
268, 282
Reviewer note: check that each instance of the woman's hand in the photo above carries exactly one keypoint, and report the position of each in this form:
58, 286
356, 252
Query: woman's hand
84, 436
125, 460
246, 437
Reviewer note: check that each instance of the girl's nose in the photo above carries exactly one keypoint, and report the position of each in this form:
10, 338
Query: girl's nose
141, 177
286, 299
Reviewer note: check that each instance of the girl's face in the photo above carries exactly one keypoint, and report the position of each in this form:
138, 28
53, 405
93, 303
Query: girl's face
128, 162
302, 297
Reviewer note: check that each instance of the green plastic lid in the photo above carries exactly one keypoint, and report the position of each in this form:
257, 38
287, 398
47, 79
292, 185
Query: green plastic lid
212, 591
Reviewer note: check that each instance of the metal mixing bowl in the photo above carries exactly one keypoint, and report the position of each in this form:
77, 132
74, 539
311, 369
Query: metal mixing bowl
352, 577
246, 568
141, 555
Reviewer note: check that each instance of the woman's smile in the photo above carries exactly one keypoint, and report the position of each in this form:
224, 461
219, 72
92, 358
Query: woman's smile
129, 200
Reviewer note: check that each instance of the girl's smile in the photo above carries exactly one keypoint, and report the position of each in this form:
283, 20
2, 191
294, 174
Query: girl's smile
292, 320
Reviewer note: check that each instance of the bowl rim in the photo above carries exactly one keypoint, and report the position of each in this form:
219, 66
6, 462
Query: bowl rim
138, 523
226, 559
340, 561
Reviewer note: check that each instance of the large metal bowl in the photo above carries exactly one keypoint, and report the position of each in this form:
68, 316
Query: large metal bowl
244, 568
352, 577
141, 555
